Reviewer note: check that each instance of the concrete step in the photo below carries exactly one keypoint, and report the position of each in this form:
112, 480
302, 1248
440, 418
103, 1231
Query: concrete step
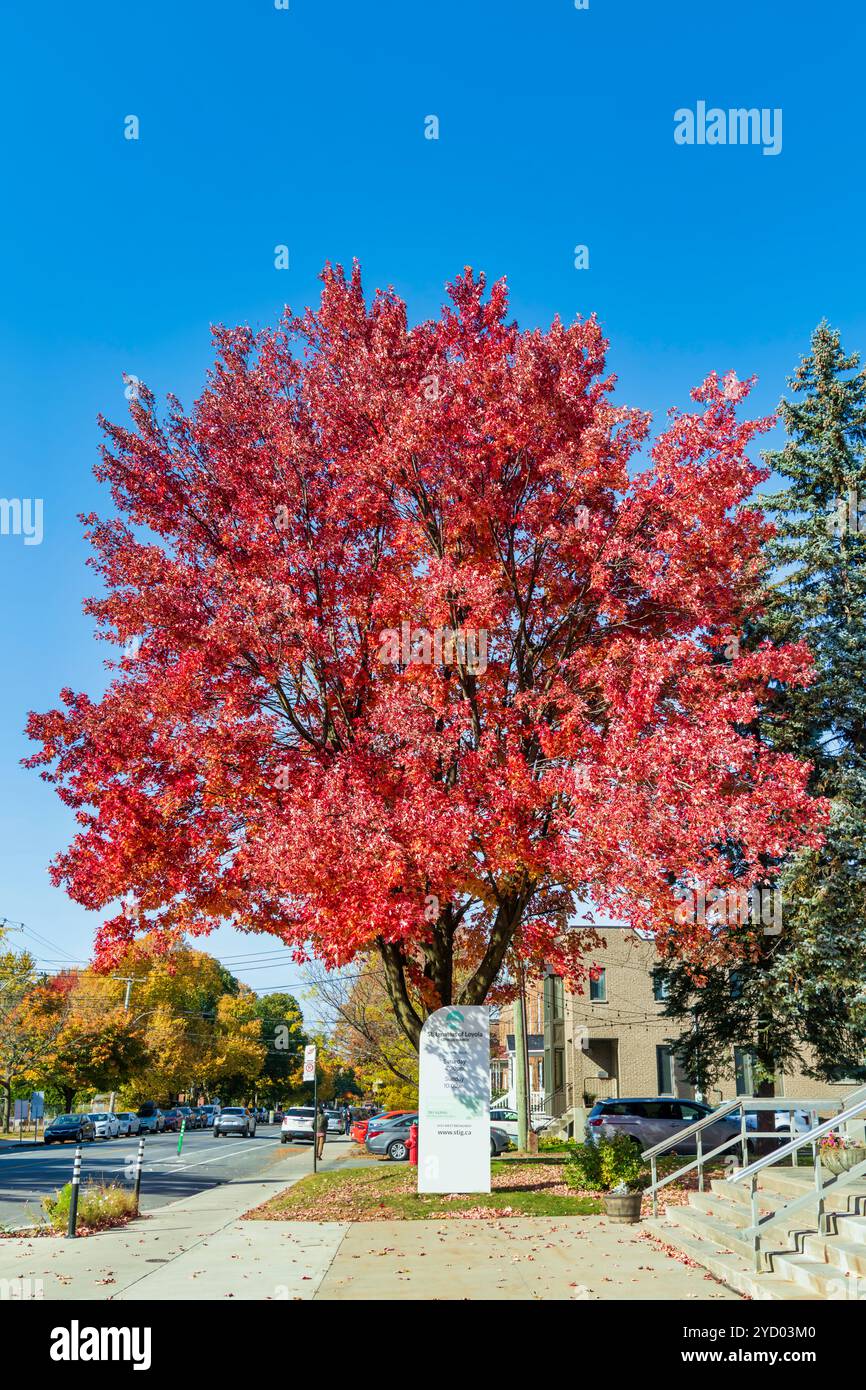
851, 1228
847, 1257
729, 1268
816, 1277
714, 1229
788, 1183
729, 1209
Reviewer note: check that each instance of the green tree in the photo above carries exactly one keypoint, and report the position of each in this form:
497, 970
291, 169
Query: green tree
800, 996
282, 1034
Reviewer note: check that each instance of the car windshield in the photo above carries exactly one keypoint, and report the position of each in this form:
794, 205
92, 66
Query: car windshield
233, 1110
99, 1117
65, 1119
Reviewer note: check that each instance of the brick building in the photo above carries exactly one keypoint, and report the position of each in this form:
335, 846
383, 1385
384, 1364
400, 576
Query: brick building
613, 1040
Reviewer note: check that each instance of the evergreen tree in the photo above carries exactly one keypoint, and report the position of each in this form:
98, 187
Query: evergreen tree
800, 997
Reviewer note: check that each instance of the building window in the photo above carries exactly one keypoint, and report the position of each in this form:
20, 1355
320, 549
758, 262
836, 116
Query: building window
558, 1069
665, 1071
598, 988
661, 986
554, 997
744, 1071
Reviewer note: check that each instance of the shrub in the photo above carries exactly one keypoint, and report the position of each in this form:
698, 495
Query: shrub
609, 1163
99, 1205
551, 1145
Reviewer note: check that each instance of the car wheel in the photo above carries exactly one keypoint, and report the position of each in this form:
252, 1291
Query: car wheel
398, 1150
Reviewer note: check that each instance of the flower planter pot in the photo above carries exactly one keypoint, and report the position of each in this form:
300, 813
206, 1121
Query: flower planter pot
840, 1160
623, 1207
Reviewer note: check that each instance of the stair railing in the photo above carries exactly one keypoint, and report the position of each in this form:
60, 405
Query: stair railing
742, 1106
823, 1183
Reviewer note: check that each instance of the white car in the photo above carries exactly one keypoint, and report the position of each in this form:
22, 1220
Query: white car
127, 1124
298, 1124
106, 1126
507, 1120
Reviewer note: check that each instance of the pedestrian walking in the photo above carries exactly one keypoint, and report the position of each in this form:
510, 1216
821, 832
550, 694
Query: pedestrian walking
347, 1117
321, 1131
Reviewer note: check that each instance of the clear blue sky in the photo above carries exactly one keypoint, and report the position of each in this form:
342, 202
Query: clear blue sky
305, 127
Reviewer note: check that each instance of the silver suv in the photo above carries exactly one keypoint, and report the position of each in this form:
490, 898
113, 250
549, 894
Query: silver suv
235, 1119
650, 1120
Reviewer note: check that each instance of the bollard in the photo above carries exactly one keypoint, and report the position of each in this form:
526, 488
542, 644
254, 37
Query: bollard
73, 1200
413, 1144
139, 1164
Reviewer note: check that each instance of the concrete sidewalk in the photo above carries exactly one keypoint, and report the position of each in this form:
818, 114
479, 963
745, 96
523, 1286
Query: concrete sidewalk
199, 1249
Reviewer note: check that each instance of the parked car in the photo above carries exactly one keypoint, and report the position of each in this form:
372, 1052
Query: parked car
150, 1119
190, 1116
499, 1140
203, 1116
128, 1124
649, 1120
377, 1122
298, 1123
392, 1138
173, 1119
105, 1126
336, 1123
75, 1127
210, 1114
235, 1119
506, 1120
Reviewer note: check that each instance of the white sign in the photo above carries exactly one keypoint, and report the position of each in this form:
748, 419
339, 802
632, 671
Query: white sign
454, 1101
310, 1062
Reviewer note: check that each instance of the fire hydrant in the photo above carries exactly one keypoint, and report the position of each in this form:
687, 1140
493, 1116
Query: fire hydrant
413, 1143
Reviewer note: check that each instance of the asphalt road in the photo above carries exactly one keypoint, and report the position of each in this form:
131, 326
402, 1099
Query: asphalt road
205, 1162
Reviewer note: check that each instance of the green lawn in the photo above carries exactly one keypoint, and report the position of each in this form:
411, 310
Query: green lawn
387, 1192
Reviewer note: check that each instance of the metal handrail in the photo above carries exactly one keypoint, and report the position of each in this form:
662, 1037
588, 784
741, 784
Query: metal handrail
826, 1127
742, 1104
837, 1182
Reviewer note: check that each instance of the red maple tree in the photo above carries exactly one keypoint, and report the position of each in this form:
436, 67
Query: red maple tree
423, 658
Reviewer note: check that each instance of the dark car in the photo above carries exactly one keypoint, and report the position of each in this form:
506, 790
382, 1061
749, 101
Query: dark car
173, 1119
76, 1127
190, 1115
651, 1120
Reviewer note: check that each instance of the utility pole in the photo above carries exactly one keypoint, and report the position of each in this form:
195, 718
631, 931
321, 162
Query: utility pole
521, 1058
129, 981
